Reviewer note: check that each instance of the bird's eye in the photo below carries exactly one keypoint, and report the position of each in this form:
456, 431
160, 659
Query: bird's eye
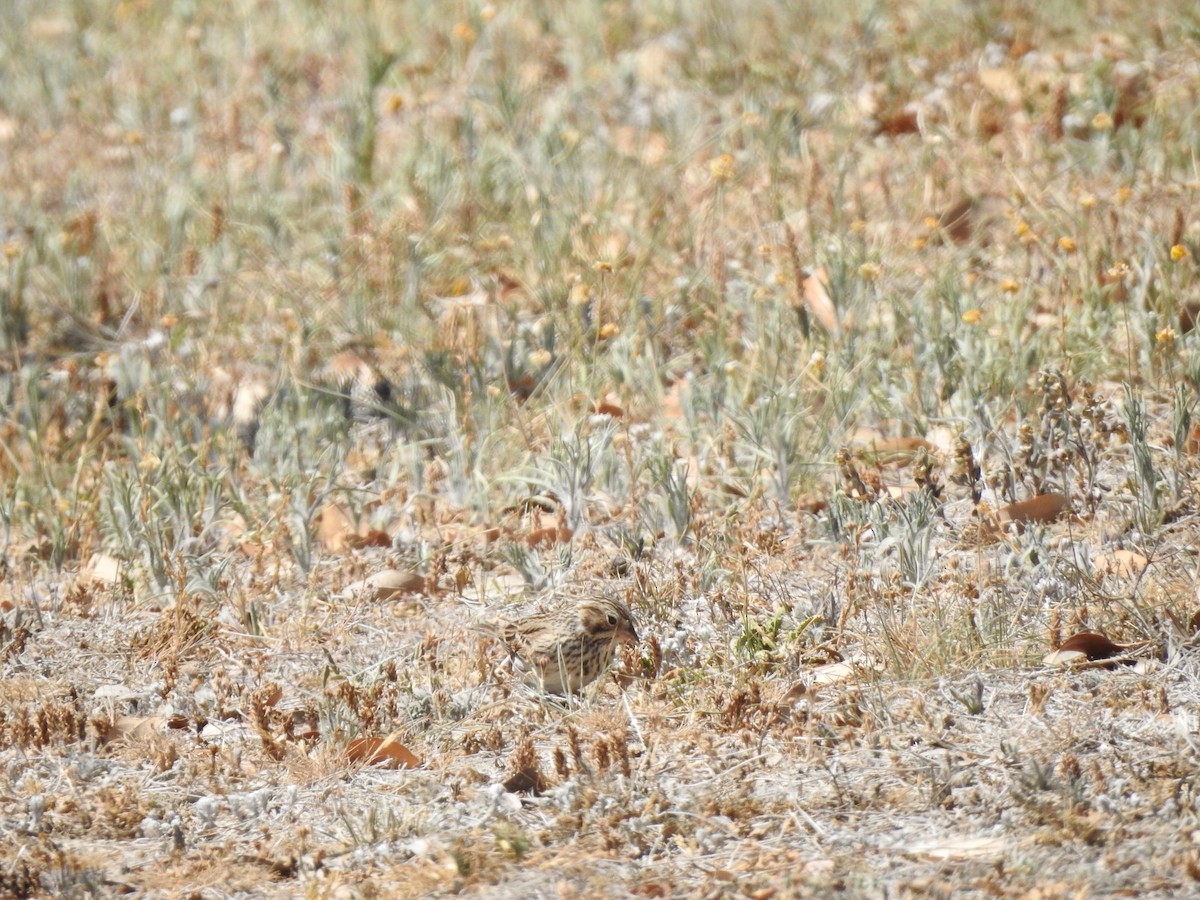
612, 620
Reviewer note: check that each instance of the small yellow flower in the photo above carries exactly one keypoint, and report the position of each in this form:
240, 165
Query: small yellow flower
722, 167
1166, 336
920, 244
133, 138
858, 226
1123, 194
609, 330
540, 358
1067, 245
602, 265
1087, 201
816, 362
972, 316
1117, 271
12, 250
870, 271
487, 13
1009, 286
169, 321
580, 295
464, 33
1179, 253
1102, 122
493, 390
395, 103
931, 222
764, 250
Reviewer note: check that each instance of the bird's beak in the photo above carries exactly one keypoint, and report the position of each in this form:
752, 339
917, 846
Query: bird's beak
628, 636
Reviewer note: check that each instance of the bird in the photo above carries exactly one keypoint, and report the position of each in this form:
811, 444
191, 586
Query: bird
563, 651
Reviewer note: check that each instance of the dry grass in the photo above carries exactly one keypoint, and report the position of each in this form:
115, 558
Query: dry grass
763, 321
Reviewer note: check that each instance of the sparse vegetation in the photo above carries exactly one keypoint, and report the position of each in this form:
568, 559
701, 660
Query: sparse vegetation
850, 345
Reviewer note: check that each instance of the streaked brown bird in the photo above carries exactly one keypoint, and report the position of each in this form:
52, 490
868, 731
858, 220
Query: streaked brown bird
565, 650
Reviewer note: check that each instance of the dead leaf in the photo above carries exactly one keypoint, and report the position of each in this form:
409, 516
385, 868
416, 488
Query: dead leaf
103, 568
334, 528
953, 848
387, 585
958, 221
1192, 445
818, 301
135, 728
905, 121
971, 218
1189, 313
672, 402
901, 489
338, 531
1042, 508
1121, 563
811, 504
51, 27
371, 537
549, 537
386, 752
608, 406
1087, 646
257, 550
652, 889
831, 673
